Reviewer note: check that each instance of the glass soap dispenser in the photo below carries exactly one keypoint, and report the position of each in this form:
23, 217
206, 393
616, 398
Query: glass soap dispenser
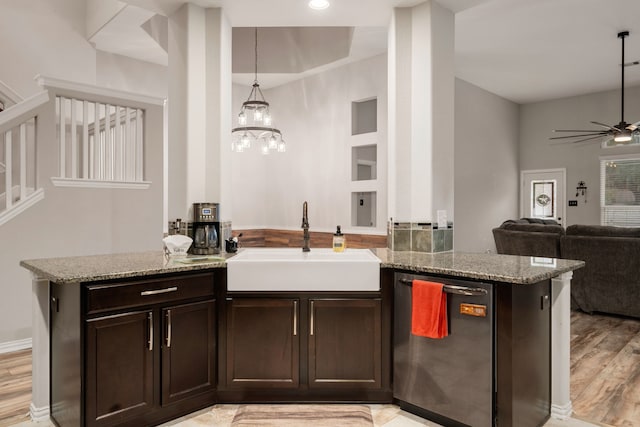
339, 241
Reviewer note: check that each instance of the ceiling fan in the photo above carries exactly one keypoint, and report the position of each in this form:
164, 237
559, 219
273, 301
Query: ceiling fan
623, 132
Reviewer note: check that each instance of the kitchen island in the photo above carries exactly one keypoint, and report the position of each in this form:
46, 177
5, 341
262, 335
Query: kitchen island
92, 273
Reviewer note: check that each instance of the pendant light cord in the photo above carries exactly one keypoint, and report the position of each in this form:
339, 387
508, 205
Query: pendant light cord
255, 80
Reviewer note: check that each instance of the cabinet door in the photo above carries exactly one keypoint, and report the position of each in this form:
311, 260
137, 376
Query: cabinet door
262, 343
119, 367
345, 343
188, 350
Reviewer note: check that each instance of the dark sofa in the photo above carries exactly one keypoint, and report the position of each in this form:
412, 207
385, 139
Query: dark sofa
610, 280
529, 237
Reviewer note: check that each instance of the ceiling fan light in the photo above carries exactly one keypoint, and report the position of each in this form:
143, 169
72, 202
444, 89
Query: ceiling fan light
623, 137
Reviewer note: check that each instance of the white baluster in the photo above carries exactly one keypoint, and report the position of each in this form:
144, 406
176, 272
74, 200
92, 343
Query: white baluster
130, 175
62, 143
23, 161
103, 151
8, 169
139, 146
117, 149
74, 140
85, 139
95, 141
108, 138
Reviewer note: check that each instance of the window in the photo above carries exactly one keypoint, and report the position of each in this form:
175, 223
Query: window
543, 199
620, 191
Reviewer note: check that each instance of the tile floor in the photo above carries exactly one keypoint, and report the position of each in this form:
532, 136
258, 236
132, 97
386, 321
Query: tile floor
383, 416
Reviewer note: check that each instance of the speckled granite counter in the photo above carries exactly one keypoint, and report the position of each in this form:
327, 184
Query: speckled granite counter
497, 268
491, 267
117, 266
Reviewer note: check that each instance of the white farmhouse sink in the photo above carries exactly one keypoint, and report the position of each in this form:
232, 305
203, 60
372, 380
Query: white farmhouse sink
290, 269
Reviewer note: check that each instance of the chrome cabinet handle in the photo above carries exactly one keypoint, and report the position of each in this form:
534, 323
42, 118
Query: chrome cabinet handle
295, 318
158, 291
168, 339
150, 342
311, 322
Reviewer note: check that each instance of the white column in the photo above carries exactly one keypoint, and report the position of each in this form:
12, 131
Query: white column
219, 116
39, 409
421, 109
561, 407
199, 108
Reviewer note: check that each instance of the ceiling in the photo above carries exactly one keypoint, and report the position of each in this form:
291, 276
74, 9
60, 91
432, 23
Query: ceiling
522, 50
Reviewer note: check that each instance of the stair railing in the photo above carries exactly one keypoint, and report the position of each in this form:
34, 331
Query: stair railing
100, 135
18, 145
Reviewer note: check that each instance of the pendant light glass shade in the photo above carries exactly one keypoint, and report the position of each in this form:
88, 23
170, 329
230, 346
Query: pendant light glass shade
260, 126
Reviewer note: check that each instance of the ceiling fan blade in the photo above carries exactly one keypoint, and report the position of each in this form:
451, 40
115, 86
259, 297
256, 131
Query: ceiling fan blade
578, 130
633, 126
586, 139
598, 134
606, 126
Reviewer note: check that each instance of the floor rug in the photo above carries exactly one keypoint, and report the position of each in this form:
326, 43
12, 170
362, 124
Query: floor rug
303, 415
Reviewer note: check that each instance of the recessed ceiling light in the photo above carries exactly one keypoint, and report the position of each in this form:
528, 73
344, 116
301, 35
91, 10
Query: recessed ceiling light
318, 4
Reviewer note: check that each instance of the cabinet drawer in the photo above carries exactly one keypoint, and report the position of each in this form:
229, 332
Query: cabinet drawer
114, 296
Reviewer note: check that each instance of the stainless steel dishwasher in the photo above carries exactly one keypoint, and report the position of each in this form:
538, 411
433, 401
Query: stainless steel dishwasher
449, 380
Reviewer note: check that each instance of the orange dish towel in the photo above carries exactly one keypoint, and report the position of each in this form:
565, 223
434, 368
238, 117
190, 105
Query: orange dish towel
428, 309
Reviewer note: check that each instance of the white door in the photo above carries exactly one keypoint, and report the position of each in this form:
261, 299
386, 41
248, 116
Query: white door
542, 194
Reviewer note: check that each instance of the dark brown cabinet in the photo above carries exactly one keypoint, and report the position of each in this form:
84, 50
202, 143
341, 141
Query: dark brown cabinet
188, 350
119, 367
142, 351
304, 347
262, 343
345, 342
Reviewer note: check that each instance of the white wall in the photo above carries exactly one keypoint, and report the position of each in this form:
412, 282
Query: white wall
131, 75
44, 37
314, 115
47, 37
486, 166
537, 122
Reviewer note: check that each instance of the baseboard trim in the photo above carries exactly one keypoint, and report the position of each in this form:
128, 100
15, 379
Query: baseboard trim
11, 346
561, 412
38, 414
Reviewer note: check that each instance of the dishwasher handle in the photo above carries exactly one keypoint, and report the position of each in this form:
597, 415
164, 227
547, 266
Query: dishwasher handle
453, 289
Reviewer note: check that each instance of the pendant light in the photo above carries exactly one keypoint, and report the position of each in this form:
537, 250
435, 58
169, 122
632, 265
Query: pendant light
254, 120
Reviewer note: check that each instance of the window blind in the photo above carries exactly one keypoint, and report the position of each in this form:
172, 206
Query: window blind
620, 191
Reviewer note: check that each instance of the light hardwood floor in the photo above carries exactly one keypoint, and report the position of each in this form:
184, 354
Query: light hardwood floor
605, 369
15, 387
605, 373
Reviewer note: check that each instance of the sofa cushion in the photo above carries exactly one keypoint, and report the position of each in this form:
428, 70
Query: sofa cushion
602, 231
539, 221
532, 227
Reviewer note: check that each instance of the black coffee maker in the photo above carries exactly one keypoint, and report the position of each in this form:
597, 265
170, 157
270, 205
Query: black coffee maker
205, 229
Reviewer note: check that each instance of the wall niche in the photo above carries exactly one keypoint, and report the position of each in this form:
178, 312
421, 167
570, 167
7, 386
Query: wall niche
364, 160
364, 116
363, 209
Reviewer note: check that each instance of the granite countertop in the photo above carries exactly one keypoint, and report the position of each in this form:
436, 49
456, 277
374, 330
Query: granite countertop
118, 266
490, 267
521, 270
